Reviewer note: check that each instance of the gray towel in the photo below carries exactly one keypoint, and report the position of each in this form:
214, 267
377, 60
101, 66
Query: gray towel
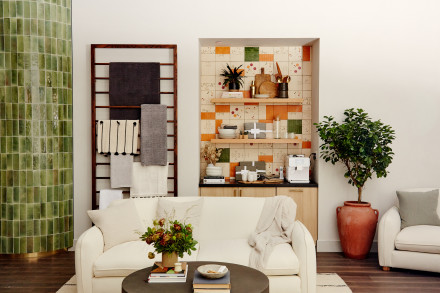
153, 135
121, 168
133, 84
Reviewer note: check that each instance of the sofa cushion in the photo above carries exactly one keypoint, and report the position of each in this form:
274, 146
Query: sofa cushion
118, 224
422, 238
282, 261
229, 217
146, 208
126, 258
187, 212
418, 208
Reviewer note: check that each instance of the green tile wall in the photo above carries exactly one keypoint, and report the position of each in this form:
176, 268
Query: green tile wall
36, 189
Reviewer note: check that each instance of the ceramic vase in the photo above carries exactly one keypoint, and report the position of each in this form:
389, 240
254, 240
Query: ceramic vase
356, 226
212, 170
169, 259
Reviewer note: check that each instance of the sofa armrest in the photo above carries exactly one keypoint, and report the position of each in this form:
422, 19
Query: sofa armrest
389, 227
89, 247
304, 247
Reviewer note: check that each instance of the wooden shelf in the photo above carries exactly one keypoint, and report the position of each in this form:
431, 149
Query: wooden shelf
275, 100
272, 140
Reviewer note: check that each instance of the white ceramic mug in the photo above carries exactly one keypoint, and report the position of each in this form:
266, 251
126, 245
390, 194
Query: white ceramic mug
253, 176
244, 175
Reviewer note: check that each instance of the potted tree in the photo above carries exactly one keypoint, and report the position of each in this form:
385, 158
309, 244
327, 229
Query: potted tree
363, 147
233, 78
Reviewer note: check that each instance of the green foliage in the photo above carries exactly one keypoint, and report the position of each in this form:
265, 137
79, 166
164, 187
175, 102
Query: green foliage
232, 75
171, 236
362, 145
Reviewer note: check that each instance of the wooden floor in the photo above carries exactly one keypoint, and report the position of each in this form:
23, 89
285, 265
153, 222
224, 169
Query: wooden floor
48, 274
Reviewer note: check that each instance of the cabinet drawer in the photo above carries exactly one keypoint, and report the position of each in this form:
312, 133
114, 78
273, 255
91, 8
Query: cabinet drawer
257, 191
219, 191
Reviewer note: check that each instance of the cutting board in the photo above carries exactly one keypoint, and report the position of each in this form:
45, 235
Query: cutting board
260, 78
269, 88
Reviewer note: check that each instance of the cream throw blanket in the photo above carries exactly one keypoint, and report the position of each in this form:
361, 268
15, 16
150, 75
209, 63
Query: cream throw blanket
273, 228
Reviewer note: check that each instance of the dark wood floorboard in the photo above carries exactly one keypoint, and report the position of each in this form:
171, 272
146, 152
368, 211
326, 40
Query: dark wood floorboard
48, 274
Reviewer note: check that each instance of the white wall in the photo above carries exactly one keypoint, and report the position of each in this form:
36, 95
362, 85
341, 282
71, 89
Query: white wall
378, 55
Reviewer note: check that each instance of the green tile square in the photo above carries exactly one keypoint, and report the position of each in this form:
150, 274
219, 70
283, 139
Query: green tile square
251, 54
37, 244
29, 244
224, 157
295, 126
26, 9
37, 226
43, 240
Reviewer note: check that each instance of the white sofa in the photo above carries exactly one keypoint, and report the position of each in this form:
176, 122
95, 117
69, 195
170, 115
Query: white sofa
225, 225
414, 247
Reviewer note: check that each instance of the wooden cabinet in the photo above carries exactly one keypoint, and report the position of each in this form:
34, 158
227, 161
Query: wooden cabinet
238, 191
307, 206
306, 199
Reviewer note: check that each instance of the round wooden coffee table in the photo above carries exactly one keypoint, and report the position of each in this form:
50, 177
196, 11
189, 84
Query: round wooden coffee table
243, 280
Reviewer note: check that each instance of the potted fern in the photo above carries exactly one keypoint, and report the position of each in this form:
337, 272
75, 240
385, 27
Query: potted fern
363, 147
233, 78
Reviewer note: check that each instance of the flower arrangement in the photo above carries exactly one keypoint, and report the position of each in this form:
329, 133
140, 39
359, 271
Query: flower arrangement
170, 236
211, 154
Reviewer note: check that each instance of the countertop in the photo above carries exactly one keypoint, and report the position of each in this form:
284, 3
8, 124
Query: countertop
236, 184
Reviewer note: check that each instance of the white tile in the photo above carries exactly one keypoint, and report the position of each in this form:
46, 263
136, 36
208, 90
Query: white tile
284, 67
307, 83
266, 50
219, 83
307, 112
281, 54
237, 54
220, 66
251, 68
207, 108
262, 112
306, 126
222, 145
207, 126
251, 155
225, 168
268, 67
251, 146
237, 146
269, 168
279, 155
207, 50
236, 155
296, 83
295, 68
306, 152
280, 146
294, 115
295, 53
206, 96
294, 151
247, 82
207, 83
223, 57
307, 137
265, 152
250, 112
236, 112
207, 57
295, 94
219, 93
265, 146
307, 67
222, 116
208, 68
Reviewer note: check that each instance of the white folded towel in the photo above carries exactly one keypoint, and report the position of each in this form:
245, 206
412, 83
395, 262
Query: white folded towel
149, 181
121, 168
106, 196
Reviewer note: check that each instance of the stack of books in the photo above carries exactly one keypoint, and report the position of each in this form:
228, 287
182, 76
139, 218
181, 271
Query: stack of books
213, 179
204, 285
161, 274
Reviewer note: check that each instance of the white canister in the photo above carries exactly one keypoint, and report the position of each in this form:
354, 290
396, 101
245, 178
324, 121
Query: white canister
244, 175
177, 267
277, 128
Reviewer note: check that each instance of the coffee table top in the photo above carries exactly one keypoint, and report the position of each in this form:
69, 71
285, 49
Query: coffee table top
243, 280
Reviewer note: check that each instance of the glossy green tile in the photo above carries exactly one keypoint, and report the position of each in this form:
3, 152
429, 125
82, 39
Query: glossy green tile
294, 126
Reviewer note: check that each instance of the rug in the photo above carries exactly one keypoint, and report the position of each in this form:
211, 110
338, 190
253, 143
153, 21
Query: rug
325, 283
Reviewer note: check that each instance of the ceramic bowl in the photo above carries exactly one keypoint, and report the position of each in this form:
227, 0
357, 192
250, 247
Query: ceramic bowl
206, 271
223, 131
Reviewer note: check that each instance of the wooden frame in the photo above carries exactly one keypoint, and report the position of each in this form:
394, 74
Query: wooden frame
94, 94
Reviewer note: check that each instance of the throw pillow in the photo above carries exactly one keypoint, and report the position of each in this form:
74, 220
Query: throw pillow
187, 212
418, 208
118, 224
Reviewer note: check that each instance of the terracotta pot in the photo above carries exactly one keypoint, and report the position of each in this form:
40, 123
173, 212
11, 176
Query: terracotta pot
357, 226
169, 259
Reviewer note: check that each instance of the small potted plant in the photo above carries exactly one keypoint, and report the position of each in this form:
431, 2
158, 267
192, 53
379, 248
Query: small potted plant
363, 147
211, 154
233, 78
171, 238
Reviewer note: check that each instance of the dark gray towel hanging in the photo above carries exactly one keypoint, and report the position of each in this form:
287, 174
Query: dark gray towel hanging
154, 135
133, 84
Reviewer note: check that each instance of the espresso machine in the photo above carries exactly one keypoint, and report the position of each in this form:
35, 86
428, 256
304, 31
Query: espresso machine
297, 169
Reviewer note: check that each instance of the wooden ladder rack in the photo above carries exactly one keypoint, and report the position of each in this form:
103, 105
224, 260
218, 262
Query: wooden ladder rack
94, 94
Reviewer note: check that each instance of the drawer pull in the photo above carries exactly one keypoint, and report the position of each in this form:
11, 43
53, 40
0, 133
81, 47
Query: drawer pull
240, 192
296, 190
235, 193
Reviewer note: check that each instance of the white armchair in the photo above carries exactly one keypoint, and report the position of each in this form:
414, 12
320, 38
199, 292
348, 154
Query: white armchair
414, 247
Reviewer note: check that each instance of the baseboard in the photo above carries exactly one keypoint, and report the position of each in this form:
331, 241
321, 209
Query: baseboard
335, 246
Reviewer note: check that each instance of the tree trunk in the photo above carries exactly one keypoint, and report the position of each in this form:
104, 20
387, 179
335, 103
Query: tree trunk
359, 194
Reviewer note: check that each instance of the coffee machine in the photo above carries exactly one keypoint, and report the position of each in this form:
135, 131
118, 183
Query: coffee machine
297, 169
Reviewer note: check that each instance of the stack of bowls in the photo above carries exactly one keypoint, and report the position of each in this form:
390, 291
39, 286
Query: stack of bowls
227, 133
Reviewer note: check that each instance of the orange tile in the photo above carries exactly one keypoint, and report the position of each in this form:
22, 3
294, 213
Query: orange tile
227, 179
222, 50
306, 53
266, 57
269, 112
306, 144
265, 121
246, 94
218, 123
267, 159
232, 166
294, 108
207, 137
208, 115
251, 104
222, 108
241, 72
280, 110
